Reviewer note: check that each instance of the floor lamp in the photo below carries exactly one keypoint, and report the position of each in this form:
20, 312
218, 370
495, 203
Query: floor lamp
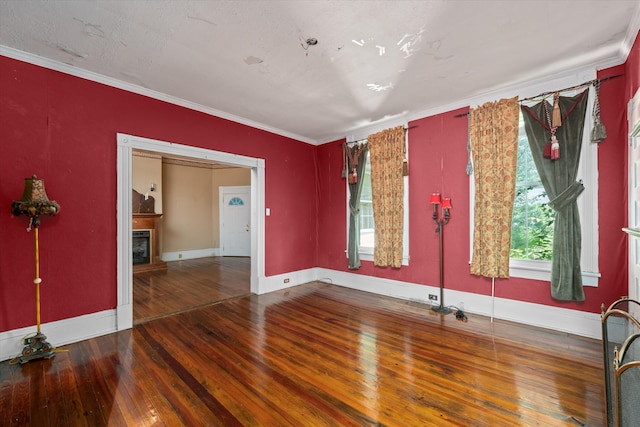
440, 222
33, 204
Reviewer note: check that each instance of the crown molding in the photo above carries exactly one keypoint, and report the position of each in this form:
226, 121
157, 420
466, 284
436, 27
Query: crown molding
630, 37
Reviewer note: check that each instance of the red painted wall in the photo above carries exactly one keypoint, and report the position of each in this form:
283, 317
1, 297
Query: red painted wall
632, 69
438, 157
63, 129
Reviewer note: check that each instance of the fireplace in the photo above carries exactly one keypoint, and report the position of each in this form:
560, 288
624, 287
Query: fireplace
141, 247
146, 243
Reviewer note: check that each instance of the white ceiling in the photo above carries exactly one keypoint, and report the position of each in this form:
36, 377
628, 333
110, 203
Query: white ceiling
375, 60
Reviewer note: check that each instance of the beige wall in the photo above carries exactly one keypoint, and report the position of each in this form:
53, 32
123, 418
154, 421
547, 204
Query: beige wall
191, 218
147, 169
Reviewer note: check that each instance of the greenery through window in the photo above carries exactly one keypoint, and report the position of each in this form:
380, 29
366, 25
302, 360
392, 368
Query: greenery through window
532, 223
367, 226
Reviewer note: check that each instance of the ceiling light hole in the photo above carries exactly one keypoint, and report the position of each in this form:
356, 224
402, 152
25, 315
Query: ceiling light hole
252, 60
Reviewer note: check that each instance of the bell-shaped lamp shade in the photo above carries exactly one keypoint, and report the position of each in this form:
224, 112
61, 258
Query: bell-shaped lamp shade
34, 200
435, 199
446, 204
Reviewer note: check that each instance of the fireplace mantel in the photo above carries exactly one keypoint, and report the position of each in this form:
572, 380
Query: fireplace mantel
149, 221
145, 215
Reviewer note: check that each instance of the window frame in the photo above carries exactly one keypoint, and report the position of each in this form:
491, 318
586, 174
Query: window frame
587, 201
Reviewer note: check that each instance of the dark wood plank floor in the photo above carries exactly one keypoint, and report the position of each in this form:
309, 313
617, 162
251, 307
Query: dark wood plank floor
188, 284
312, 355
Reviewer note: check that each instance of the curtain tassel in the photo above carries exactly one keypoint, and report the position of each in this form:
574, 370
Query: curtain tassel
555, 148
557, 117
345, 167
599, 132
469, 161
405, 163
353, 176
353, 157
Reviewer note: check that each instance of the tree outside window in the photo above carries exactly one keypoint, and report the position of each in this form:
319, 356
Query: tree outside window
532, 222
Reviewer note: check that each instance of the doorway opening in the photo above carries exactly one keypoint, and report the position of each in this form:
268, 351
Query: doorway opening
127, 144
193, 266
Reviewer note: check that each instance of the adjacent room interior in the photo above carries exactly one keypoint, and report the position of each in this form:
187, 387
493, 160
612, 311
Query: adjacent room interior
178, 261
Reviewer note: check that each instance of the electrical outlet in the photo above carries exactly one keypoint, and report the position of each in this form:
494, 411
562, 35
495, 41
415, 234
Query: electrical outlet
286, 280
179, 256
433, 297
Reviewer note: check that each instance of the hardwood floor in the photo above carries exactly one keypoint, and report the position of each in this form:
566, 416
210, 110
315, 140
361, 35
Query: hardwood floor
312, 355
188, 284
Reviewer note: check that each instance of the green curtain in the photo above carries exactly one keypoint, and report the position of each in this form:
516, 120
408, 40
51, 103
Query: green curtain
355, 190
559, 180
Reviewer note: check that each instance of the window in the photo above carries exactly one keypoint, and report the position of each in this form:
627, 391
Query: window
532, 222
367, 224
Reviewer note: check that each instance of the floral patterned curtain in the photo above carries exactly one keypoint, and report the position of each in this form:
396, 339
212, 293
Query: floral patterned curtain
386, 152
494, 146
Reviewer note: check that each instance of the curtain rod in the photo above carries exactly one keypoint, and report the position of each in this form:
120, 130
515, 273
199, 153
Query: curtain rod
587, 83
364, 139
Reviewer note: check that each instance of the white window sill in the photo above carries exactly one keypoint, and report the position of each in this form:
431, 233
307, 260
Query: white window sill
541, 270
366, 254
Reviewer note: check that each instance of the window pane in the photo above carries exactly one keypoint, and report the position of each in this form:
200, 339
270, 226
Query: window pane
532, 223
366, 208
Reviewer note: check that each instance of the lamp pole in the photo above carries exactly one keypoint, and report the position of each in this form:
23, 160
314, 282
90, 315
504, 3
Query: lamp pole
440, 221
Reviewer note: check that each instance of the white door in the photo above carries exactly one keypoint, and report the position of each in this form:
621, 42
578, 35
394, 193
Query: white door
235, 223
634, 198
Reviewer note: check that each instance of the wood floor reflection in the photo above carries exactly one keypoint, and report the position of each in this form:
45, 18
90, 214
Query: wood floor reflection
188, 284
313, 355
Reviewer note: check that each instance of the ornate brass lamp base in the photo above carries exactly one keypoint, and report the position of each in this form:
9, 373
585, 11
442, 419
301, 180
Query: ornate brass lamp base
36, 347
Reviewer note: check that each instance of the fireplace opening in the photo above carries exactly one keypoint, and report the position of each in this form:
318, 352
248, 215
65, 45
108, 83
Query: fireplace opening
141, 247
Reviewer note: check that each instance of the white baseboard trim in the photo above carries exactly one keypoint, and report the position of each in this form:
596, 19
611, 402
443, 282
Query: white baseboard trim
60, 332
287, 280
559, 319
192, 254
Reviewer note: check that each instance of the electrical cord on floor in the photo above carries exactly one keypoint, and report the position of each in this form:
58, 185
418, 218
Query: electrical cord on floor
460, 315
577, 421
